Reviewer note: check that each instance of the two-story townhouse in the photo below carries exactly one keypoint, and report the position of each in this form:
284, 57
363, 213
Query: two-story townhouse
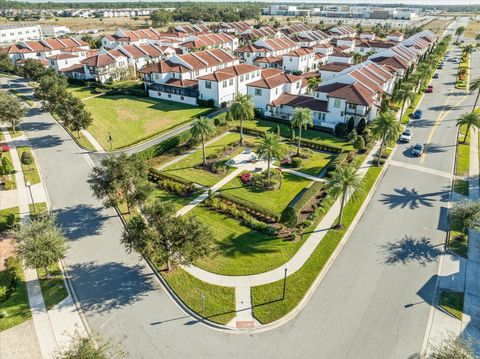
367, 35
175, 79
395, 36
262, 33
332, 69
340, 32
144, 54
271, 86
61, 61
300, 60
340, 57
275, 62
192, 29
223, 85
324, 49
129, 37
233, 28
265, 48
369, 46
311, 38
208, 42
295, 28
105, 66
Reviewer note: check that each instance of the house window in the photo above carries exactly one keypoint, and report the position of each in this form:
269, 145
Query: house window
258, 92
290, 59
241, 78
231, 82
336, 103
298, 84
208, 84
196, 73
224, 84
247, 76
248, 54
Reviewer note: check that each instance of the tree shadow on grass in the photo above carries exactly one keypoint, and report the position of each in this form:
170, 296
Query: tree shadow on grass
103, 287
409, 249
411, 198
246, 244
81, 220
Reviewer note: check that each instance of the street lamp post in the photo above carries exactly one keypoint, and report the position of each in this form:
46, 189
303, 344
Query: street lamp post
29, 185
110, 139
285, 281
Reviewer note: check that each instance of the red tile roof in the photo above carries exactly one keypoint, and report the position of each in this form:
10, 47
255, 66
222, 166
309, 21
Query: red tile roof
229, 72
272, 78
309, 102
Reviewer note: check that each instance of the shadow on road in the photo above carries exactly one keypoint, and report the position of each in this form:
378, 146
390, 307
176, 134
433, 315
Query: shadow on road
36, 126
81, 220
409, 249
110, 285
411, 198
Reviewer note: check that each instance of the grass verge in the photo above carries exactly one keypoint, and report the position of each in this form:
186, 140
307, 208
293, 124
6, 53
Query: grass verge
458, 241
219, 301
267, 301
452, 302
53, 288
463, 153
459, 83
8, 217
461, 186
30, 172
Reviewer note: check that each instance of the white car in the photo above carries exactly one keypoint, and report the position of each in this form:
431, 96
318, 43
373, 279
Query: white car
406, 135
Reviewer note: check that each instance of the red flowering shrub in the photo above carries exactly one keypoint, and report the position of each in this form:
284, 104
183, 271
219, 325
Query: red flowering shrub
5, 148
246, 177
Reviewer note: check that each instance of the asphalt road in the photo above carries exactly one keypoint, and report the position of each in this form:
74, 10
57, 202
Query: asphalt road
373, 303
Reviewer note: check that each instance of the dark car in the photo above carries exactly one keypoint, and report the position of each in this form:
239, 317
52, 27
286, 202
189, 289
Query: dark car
429, 89
435, 75
417, 115
417, 150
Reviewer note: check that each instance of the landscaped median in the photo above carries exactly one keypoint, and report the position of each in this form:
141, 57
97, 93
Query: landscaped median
463, 73
267, 301
462, 160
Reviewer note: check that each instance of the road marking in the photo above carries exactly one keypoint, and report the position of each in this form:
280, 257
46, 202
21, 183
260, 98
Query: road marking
440, 118
421, 169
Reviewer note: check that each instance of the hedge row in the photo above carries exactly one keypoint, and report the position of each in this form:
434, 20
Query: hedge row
160, 148
155, 175
306, 196
306, 143
256, 211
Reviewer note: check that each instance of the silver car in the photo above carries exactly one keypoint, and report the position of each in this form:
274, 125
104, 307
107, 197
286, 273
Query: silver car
406, 136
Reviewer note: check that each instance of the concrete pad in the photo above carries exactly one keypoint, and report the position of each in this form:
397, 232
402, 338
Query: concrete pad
452, 276
20, 342
8, 199
443, 324
471, 310
472, 279
473, 246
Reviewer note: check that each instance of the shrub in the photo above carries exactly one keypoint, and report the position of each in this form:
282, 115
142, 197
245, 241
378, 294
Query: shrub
246, 177
5, 148
26, 158
296, 162
359, 143
317, 145
164, 146
306, 197
260, 181
228, 117
254, 209
217, 121
340, 129
9, 184
8, 278
289, 217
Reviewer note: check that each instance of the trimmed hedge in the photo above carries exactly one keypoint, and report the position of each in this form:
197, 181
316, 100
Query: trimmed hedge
256, 211
164, 146
306, 196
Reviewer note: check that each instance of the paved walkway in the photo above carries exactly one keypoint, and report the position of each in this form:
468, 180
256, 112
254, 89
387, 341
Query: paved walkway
20, 342
93, 141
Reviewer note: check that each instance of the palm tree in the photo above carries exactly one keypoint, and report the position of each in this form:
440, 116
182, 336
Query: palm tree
243, 109
357, 57
459, 32
475, 86
403, 93
301, 118
313, 83
470, 119
271, 147
344, 179
201, 128
385, 127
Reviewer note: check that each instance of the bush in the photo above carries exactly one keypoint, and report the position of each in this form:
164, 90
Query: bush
306, 197
260, 181
26, 158
340, 129
167, 180
9, 278
7, 166
164, 146
9, 184
359, 143
289, 217
253, 209
296, 162
228, 117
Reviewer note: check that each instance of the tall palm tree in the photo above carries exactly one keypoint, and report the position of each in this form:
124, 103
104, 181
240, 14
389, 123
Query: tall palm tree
242, 109
403, 93
475, 86
313, 83
470, 119
271, 147
459, 32
201, 128
344, 179
301, 118
387, 128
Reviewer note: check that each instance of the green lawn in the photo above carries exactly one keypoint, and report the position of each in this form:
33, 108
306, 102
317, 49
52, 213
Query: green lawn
8, 217
82, 140
267, 299
16, 308
463, 153
178, 201
315, 162
30, 172
219, 301
461, 186
80, 92
40, 208
286, 131
53, 289
452, 302
458, 241
241, 250
272, 201
186, 167
132, 119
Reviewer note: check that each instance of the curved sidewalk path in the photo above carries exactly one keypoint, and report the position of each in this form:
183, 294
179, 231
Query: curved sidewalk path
295, 263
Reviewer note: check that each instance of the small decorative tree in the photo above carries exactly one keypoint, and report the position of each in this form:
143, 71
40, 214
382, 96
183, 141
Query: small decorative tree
26, 159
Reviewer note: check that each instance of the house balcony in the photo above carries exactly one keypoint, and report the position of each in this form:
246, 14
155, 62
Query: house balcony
175, 90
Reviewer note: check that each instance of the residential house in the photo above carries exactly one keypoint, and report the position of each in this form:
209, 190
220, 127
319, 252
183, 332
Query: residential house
295, 28
340, 57
208, 42
301, 60
105, 66
144, 54
262, 33
175, 79
364, 46
266, 48
340, 32
233, 28
395, 36
129, 37
223, 85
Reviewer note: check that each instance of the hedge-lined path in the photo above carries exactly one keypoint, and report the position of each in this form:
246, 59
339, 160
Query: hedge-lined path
294, 264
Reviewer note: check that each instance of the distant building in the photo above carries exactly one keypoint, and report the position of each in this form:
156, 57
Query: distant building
54, 31
13, 34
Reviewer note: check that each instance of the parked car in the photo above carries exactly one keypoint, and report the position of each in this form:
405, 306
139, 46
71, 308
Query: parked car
406, 135
429, 89
418, 149
417, 115
436, 75
440, 66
